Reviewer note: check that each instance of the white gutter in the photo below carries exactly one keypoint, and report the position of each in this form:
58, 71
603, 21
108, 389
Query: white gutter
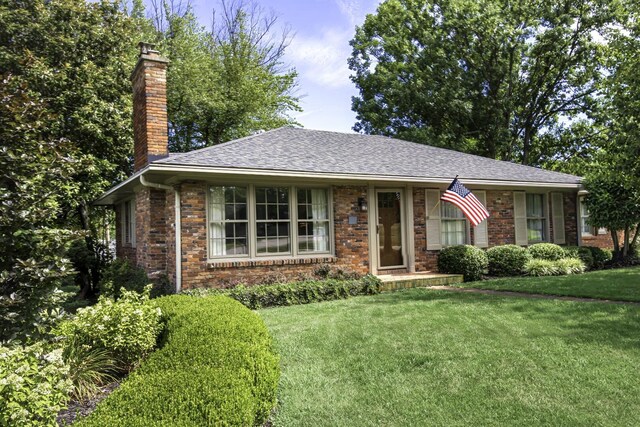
346, 176
178, 229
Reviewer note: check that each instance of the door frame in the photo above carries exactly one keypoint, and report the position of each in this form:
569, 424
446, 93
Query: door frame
403, 227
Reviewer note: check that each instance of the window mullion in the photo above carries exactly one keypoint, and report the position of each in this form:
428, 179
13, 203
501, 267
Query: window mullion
293, 220
252, 238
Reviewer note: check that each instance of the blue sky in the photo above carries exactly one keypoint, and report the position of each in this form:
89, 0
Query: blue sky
319, 51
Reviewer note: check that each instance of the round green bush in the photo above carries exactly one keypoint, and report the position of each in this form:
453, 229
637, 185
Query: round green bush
581, 253
467, 260
122, 274
600, 256
548, 251
507, 260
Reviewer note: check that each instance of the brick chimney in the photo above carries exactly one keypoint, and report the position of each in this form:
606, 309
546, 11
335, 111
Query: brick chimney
149, 80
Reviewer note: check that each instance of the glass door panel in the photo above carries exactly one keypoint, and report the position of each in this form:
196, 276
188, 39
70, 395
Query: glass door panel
390, 239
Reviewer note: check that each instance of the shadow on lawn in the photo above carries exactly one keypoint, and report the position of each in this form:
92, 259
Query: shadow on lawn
604, 324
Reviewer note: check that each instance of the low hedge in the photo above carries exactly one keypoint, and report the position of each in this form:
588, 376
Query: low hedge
601, 257
548, 251
470, 261
217, 366
559, 267
258, 296
507, 260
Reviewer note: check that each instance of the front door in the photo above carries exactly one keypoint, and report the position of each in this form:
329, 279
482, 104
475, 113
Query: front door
390, 229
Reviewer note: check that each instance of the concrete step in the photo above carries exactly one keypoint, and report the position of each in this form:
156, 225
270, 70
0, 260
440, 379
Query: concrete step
393, 282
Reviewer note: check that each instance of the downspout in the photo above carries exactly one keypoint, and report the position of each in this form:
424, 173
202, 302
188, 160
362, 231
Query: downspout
178, 223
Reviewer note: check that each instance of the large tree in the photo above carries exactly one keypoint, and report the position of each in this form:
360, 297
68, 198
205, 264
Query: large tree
226, 82
498, 78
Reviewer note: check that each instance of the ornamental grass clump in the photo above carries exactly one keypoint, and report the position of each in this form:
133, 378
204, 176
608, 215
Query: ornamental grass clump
581, 253
560, 267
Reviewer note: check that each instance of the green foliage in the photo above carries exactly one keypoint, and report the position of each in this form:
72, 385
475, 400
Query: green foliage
121, 275
558, 267
283, 294
468, 260
217, 367
33, 386
601, 257
127, 328
507, 260
614, 202
485, 77
36, 179
582, 253
548, 251
89, 368
225, 83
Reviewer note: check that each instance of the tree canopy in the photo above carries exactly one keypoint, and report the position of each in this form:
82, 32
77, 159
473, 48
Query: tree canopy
506, 80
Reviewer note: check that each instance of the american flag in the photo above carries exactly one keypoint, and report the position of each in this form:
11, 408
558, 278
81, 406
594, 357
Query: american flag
470, 206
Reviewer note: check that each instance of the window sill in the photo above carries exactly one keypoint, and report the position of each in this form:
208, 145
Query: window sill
320, 259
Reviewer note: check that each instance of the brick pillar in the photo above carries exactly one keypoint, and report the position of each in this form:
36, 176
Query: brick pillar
151, 230
149, 80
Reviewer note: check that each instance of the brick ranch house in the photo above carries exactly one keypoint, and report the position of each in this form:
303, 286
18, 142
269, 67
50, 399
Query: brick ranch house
287, 200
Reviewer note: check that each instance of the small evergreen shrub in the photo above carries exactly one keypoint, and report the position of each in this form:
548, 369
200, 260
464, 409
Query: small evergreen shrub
470, 261
217, 367
548, 251
122, 274
283, 294
127, 328
33, 386
545, 267
581, 253
507, 260
601, 257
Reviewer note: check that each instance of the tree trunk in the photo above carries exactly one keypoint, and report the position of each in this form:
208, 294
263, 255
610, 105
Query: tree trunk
625, 248
86, 273
634, 242
616, 245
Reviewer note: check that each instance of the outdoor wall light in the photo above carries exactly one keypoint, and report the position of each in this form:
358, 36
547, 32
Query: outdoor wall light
362, 204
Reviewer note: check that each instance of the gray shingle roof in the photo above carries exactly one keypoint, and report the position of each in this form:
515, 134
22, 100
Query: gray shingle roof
301, 150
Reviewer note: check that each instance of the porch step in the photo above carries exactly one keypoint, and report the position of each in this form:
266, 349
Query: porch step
393, 282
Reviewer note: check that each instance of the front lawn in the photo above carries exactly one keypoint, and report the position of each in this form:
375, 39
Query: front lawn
618, 284
423, 357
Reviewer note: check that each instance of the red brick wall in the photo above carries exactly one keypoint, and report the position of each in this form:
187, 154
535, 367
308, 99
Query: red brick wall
425, 260
151, 233
571, 218
170, 227
500, 225
351, 241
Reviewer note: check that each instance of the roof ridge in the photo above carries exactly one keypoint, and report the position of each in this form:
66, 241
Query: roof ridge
227, 143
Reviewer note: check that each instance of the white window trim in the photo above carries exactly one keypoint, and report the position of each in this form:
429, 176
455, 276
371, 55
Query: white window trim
252, 238
582, 233
545, 211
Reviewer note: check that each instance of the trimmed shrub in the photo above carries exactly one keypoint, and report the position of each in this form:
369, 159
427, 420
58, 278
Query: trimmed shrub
601, 257
467, 260
507, 260
127, 328
217, 367
33, 386
581, 253
548, 251
559, 267
121, 274
283, 294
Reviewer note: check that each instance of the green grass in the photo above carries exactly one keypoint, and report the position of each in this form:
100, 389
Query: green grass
422, 357
619, 284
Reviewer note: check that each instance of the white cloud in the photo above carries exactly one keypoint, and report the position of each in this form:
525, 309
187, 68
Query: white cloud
323, 59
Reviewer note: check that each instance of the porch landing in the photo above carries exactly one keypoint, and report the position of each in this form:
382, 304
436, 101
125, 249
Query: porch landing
392, 282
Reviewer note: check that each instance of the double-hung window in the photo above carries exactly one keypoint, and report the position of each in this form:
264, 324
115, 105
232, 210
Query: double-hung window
585, 228
228, 221
260, 221
536, 218
129, 222
454, 225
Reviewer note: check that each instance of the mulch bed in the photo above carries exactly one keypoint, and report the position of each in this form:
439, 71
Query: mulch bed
79, 409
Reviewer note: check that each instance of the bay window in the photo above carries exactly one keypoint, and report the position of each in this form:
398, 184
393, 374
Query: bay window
261, 221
